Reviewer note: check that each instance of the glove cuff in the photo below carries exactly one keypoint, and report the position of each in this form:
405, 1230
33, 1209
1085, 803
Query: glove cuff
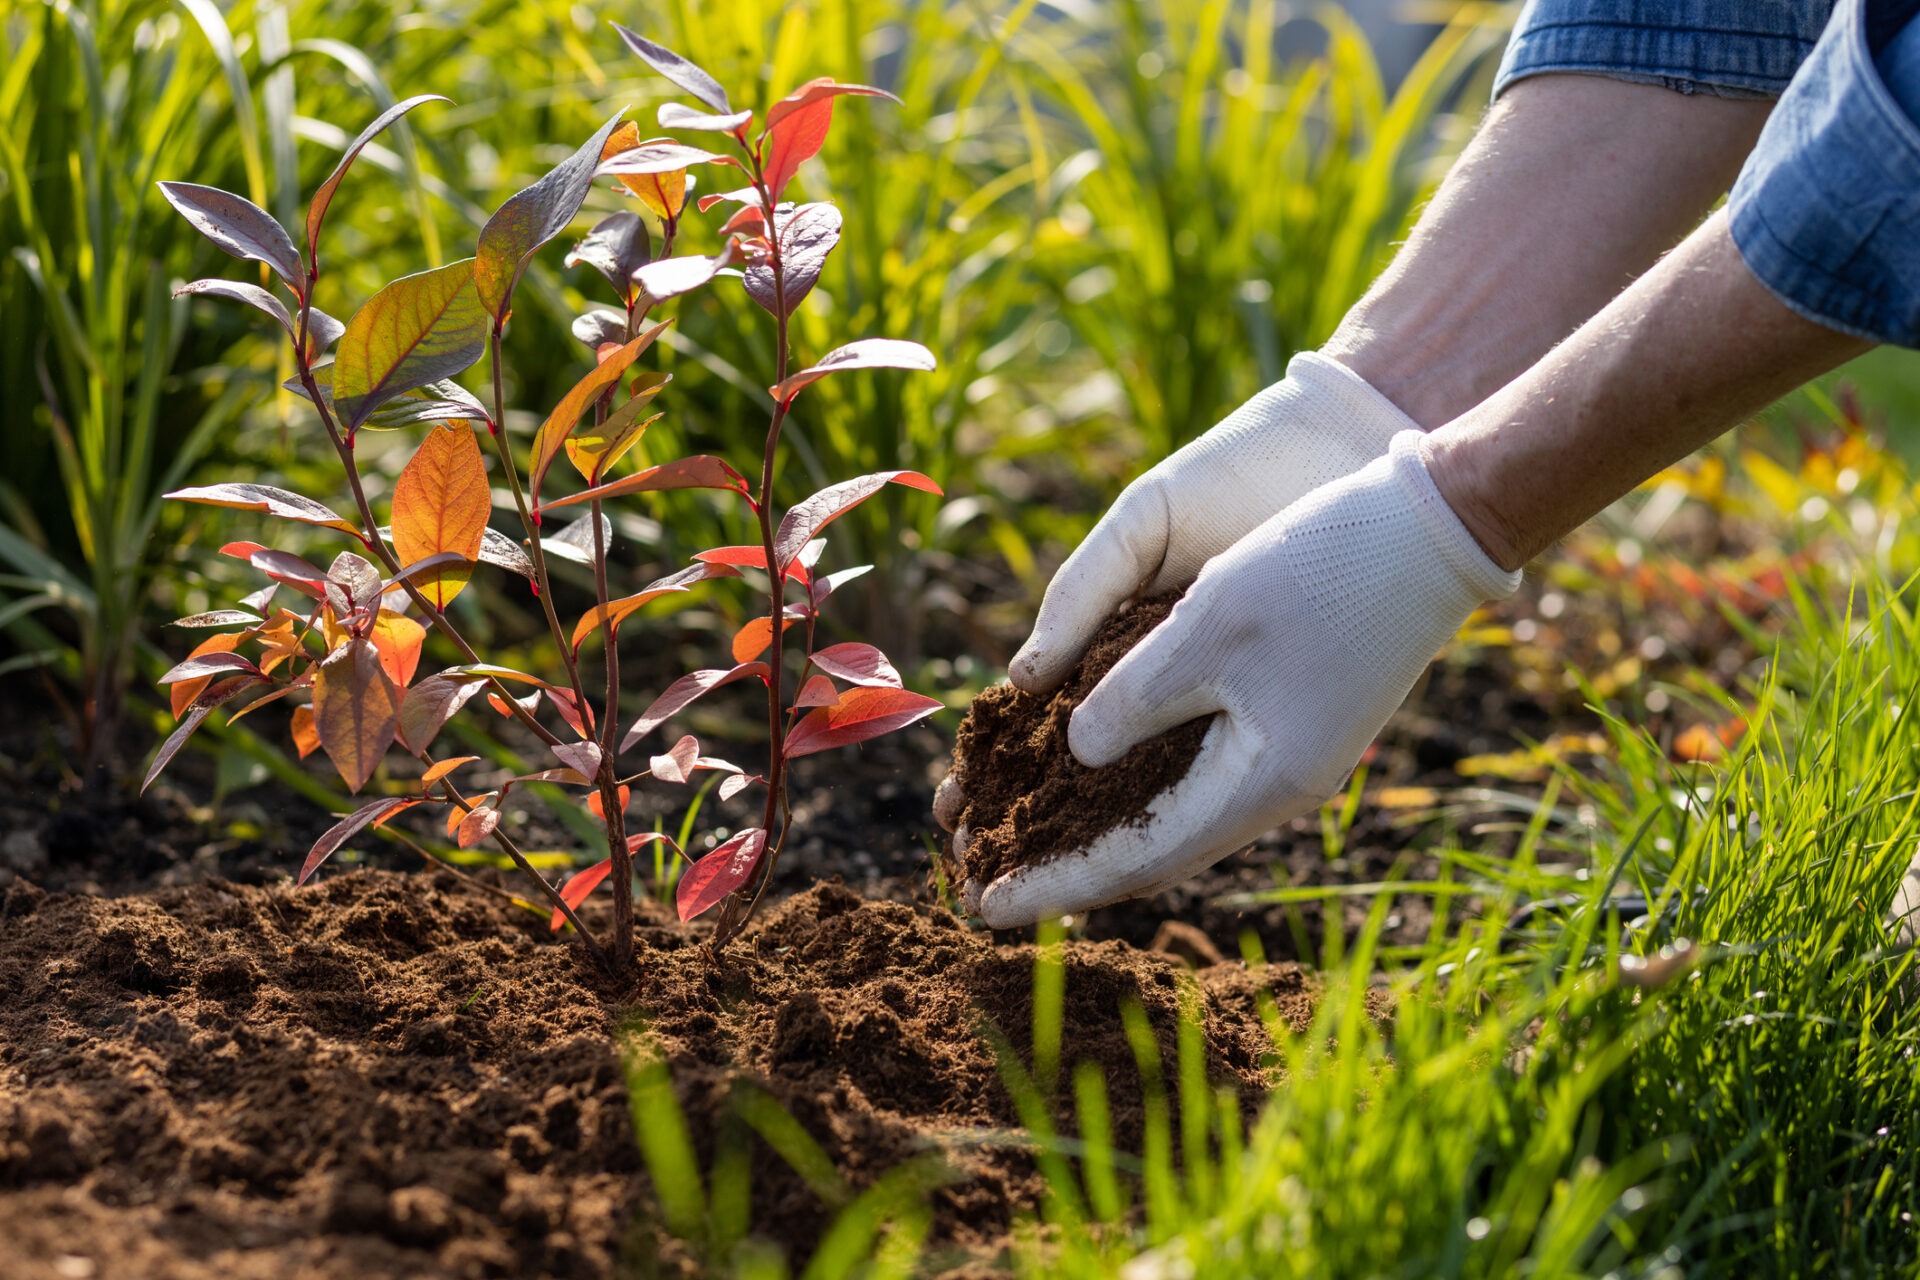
1346, 405
1477, 574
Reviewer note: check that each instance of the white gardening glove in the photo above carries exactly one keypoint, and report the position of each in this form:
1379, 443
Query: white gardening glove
1306, 635
1320, 423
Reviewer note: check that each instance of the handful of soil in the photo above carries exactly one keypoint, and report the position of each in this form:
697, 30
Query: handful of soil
1028, 800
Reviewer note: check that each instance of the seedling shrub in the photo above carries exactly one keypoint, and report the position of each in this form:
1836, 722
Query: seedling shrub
348, 650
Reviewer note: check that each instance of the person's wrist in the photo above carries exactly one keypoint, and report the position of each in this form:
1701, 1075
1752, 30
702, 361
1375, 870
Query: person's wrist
1468, 487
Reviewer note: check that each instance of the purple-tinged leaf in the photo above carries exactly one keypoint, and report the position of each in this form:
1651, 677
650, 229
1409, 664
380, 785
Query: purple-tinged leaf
694, 79
502, 552
807, 235
283, 503
733, 786
356, 709
415, 331
747, 196
441, 401
322, 332
210, 664
867, 353
617, 247
677, 115
859, 715
358, 579
856, 663
599, 328
323, 194
682, 692
428, 564
218, 618
575, 541
250, 294
477, 825
429, 704
285, 567
719, 873
365, 817
697, 472
677, 764
582, 757
663, 155
805, 519
529, 220
818, 691
239, 226
826, 586
670, 277
194, 714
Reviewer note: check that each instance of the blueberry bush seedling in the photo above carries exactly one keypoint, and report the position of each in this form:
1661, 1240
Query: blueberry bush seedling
349, 650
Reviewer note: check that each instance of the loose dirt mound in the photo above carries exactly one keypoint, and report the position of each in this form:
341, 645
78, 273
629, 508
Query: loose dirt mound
1028, 799
374, 1076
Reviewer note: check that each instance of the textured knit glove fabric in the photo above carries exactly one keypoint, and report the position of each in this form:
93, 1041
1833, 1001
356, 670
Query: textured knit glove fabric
1305, 635
1320, 423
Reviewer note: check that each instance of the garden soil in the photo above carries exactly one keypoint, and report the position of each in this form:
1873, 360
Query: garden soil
1028, 800
397, 1075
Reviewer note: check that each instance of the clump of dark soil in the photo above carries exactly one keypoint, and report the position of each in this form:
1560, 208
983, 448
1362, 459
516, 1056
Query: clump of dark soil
1028, 800
388, 1075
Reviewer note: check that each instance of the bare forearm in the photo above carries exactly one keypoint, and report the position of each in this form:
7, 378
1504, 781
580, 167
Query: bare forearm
1692, 348
1574, 186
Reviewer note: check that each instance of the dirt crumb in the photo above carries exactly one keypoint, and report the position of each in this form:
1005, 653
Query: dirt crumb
1028, 799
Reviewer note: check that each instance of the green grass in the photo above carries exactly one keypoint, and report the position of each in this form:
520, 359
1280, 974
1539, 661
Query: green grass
1535, 1107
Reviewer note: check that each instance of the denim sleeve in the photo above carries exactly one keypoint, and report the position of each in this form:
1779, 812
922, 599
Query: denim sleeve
1827, 210
1730, 48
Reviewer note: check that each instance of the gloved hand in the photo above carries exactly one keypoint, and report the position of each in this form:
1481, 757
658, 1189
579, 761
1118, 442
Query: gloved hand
1320, 423
1305, 635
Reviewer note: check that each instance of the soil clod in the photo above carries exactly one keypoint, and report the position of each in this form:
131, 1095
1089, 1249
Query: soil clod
1028, 800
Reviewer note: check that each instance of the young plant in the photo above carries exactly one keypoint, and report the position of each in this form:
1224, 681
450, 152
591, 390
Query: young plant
352, 645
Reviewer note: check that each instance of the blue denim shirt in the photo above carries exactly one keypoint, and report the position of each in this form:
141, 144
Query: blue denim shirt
1826, 211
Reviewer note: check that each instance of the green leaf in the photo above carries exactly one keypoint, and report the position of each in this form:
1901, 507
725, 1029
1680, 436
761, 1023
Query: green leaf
532, 218
239, 226
417, 330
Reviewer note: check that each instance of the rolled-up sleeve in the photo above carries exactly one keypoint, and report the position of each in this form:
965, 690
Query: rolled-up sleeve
1826, 211
1730, 48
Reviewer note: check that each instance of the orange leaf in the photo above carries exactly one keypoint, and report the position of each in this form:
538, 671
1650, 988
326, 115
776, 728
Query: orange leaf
187, 690
356, 710
398, 638
566, 415
305, 737
441, 768
441, 503
753, 639
859, 715
599, 808
719, 873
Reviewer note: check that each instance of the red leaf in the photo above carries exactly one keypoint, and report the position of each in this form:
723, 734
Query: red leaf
563, 702
818, 691
719, 873
677, 764
857, 664
366, 816
697, 472
860, 715
290, 569
805, 519
580, 887
683, 691
477, 826
752, 558
815, 91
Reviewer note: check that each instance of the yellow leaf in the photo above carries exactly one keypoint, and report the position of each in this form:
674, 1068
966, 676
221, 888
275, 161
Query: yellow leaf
1771, 479
560, 423
594, 448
